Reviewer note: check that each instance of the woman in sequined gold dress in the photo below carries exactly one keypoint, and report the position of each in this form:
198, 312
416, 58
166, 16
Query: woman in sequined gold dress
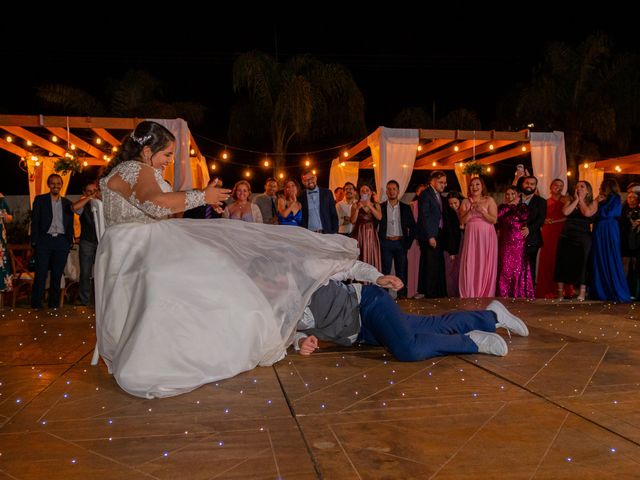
514, 274
185, 302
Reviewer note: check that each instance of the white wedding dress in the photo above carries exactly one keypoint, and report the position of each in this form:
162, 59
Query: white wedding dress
182, 302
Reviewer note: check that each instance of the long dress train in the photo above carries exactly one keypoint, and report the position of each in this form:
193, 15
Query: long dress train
184, 302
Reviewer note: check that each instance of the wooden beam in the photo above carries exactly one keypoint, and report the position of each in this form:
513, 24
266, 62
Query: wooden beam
434, 145
78, 142
498, 157
13, 148
520, 136
427, 160
36, 140
107, 137
367, 163
358, 147
73, 122
467, 154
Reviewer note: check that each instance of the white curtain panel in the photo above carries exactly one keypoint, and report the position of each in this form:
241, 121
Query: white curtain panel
549, 160
592, 175
394, 152
463, 179
182, 178
339, 174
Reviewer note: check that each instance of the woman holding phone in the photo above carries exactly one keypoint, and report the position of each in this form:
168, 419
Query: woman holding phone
365, 214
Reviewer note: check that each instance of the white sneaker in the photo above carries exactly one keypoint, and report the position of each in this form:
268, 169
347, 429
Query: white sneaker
508, 320
489, 342
418, 296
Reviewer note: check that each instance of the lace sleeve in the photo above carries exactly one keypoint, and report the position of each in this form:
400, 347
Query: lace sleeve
141, 184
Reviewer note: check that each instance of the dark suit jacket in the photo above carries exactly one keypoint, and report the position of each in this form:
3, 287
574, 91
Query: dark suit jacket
199, 212
407, 224
429, 213
42, 216
537, 214
328, 213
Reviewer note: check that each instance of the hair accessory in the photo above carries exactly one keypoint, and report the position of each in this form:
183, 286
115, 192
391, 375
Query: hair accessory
140, 140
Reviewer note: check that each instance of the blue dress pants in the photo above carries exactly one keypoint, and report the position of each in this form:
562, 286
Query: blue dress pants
414, 337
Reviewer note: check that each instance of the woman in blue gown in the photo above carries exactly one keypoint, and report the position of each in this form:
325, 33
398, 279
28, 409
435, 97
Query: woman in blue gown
607, 274
289, 208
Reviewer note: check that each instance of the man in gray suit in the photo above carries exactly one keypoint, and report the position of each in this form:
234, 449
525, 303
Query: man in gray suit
267, 202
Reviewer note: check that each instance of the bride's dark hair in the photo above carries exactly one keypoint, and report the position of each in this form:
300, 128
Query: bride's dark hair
146, 134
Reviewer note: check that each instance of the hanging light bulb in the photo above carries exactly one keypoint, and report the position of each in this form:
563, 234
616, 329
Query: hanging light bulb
618, 169
419, 148
307, 163
225, 154
9, 138
266, 163
192, 152
585, 165
98, 141
569, 173
54, 139
345, 154
114, 149
29, 143
456, 148
213, 166
489, 169
491, 146
343, 164
247, 173
524, 148
314, 172
85, 163
281, 175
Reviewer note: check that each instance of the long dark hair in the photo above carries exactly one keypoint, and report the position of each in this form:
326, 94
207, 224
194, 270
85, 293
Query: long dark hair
146, 134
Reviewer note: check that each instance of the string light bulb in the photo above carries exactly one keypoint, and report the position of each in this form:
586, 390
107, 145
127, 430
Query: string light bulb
54, 139
585, 165
433, 164
281, 175
225, 154
314, 172
307, 163
343, 164
213, 166
73, 147
345, 154
98, 141
266, 163
192, 152
569, 173
618, 169
247, 173
489, 169
9, 138
85, 163
419, 148
114, 149
524, 148
491, 146
456, 148
29, 143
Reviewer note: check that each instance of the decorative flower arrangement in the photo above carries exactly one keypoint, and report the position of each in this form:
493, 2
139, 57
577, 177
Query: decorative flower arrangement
472, 168
68, 163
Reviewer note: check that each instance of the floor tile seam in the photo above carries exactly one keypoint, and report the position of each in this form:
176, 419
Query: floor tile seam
556, 404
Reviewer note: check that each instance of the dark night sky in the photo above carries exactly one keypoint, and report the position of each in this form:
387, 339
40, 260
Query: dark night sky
454, 63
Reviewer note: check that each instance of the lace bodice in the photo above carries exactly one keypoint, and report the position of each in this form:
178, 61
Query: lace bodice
138, 193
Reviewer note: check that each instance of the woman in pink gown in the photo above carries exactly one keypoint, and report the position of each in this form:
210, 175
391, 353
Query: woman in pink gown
514, 274
554, 223
479, 257
413, 254
365, 215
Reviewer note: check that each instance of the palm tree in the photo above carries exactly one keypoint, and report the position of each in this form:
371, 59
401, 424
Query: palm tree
411, 117
302, 99
136, 94
586, 91
460, 119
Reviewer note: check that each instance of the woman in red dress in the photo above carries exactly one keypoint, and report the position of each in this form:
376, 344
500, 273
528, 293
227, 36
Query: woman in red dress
551, 230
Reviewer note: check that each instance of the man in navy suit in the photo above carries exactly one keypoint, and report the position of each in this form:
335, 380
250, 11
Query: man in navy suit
430, 223
206, 211
318, 206
51, 238
396, 233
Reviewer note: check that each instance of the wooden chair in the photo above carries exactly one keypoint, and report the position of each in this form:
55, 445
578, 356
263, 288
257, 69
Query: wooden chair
22, 279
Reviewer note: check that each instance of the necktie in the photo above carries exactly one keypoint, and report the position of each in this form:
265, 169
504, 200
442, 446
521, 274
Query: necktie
273, 207
208, 212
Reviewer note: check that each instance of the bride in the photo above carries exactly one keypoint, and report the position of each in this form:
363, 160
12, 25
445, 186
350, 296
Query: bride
182, 302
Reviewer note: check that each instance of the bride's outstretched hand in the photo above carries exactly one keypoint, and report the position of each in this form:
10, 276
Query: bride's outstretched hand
214, 195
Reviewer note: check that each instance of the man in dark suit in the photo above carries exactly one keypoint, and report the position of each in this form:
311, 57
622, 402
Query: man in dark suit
430, 223
396, 233
318, 206
51, 238
206, 211
537, 213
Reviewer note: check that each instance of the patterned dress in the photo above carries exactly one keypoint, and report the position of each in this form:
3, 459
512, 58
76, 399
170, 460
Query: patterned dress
514, 274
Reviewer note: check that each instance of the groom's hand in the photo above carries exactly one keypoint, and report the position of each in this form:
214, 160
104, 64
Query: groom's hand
308, 345
390, 281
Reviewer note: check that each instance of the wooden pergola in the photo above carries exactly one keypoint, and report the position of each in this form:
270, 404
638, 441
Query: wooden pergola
629, 164
29, 135
443, 149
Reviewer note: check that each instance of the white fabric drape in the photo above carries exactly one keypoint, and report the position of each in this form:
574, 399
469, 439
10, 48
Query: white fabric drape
339, 174
463, 179
592, 175
394, 152
182, 176
548, 159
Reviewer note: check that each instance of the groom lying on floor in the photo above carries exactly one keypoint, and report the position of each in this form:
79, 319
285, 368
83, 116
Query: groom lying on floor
353, 313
